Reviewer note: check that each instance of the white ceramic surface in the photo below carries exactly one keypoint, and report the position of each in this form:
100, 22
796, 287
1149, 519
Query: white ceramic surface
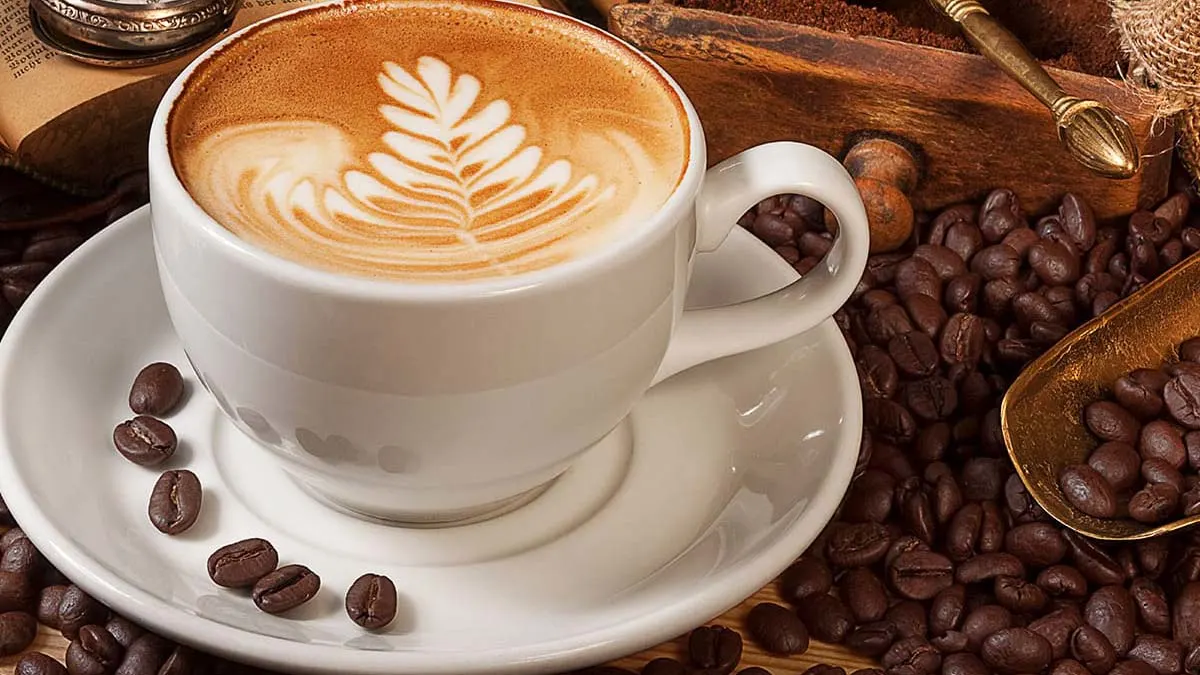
717, 480
435, 402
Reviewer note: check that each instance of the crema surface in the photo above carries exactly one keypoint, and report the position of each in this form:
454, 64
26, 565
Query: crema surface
428, 141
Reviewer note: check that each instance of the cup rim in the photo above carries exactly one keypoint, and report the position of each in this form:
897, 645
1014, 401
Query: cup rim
165, 181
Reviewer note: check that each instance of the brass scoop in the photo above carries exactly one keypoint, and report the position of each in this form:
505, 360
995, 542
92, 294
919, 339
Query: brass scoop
1093, 134
1042, 413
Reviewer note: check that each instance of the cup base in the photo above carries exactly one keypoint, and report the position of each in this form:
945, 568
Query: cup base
427, 520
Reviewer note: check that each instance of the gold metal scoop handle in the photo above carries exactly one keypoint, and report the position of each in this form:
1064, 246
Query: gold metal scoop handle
1093, 134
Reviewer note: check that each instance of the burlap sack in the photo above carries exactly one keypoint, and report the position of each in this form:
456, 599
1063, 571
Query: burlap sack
1162, 38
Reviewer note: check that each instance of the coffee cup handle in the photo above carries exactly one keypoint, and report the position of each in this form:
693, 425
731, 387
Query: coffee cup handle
730, 189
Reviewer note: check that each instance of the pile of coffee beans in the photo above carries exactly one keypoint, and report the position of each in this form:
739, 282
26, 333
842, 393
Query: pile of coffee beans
1148, 454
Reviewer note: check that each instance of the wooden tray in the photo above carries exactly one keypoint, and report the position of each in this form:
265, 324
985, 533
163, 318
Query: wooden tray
755, 81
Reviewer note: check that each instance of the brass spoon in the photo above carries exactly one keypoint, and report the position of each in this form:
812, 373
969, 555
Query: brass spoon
1093, 134
1042, 413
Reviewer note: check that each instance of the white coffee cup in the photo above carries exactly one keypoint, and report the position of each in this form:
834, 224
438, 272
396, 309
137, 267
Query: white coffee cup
428, 403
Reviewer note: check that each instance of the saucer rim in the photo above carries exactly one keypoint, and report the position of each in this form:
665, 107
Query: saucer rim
578, 650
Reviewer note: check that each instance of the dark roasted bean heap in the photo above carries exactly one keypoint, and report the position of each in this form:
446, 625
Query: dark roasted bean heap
938, 562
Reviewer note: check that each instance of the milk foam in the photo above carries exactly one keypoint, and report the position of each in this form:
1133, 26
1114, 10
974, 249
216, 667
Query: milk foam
461, 176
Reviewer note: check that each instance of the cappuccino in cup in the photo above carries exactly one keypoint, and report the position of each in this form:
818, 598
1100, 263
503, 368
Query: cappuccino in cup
428, 140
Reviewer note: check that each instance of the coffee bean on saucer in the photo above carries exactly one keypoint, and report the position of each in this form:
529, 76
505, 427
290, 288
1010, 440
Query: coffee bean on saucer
241, 564
37, 663
175, 501
715, 649
94, 652
371, 601
777, 630
17, 630
78, 609
48, 603
286, 588
667, 666
145, 440
156, 390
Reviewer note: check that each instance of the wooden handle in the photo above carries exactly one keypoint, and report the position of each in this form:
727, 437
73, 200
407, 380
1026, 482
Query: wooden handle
886, 173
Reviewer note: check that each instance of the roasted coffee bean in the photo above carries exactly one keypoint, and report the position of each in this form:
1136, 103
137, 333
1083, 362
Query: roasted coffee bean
983, 478
668, 666
1118, 463
882, 267
964, 664
37, 663
912, 655
959, 213
78, 609
1036, 544
947, 609
146, 655
1111, 611
1000, 214
1098, 259
950, 642
930, 398
144, 440
17, 630
920, 575
95, 652
814, 245
1062, 581
175, 501
1154, 611
715, 649
286, 588
1016, 650
927, 314
1054, 263
156, 390
889, 421
1191, 662
1110, 422
48, 603
998, 297
12, 535
1163, 655
1185, 616
1182, 398
962, 533
1154, 503
125, 631
806, 577
1182, 368
965, 239
182, 661
889, 459
371, 601
918, 514
777, 630
1095, 563
772, 229
825, 669
872, 639
1104, 301
1020, 240
963, 293
1088, 491
877, 374
996, 262
1057, 627
22, 557
909, 618
1171, 253
1089, 285
1144, 225
1131, 667
947, 498
962, 340
1152, 556
932, 441
242, 563
1018, 596
915, 276
1091, 648
864, 594
1159, 471
858, 545
826, 617
914, 353
1163, 440
988, 566
984, 621
1078, 221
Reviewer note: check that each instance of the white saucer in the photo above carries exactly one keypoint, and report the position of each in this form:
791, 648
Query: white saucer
718, 480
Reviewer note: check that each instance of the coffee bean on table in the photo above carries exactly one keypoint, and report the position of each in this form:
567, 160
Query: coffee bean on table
285, 588
1131, 667
78, 609
1182, 398
864, 594
12, 535
371, 601
1036, 544
964, 664
927, 314
777, 630
826, 617
868, 501
859, 545
825, 669
156, 390
988, 566
920, 575
175, 501
48, 603
872, 639
146, 655
125, 631
1111, 611
1110, 422
1092, 648
1118, 463
1185, 619
1018, 595
1160, 653
1062, 581
915, 276
877, 373
912, 654
145, 440
947, 610
95, 652
22, 556
241, 564
668, 666
1154, 503
1088, 491
984, 621
37, 663
17, 630
807, 576
914, 353
715, 649
17, 592
1057, 627
1154, 611
1096, 564
1016, 650
910, 618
